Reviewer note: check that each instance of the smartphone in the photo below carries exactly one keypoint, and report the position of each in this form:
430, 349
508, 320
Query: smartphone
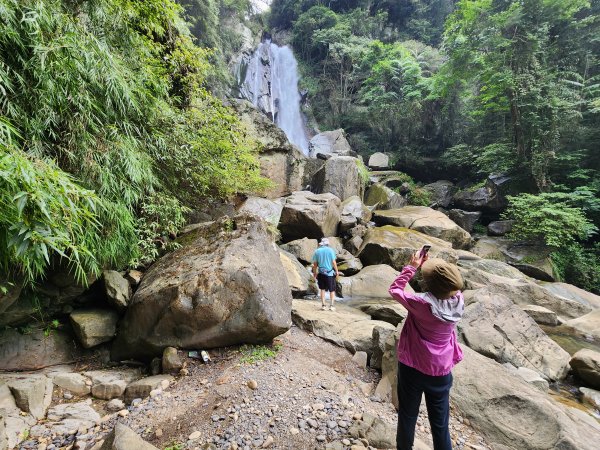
424, 251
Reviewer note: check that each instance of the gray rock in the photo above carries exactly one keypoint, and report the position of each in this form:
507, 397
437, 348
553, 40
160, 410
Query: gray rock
591, 396
500, 227
171, 362
94, 326
464, 219
511, 413
348, 264
268, 210
330, 143
360, 359
382, 197
381, 336
489, 198
124, 438
66, 417
36, 350
32, 392
496, 328
541, 315
425, 220
441, 192
116, 289
303, 249
115, 404
588, 324
309, 215
586, 365
346, 327
142, 388
339, 176
224, 286
371, 281
134, 277
354, 212
378, 433
389, 311
73, 382
299, 277
109, 384
379, 160
533, 378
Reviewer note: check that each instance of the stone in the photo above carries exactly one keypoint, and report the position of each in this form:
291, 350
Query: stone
66, 417
378, 433
541, 315
142, 388
339, 176
353, 207
574, 293
371, 281
441, 192
309, 215
269, 210
395, 245
381, 336
511, 413
32, 392
94, 326
388, 311
348, 264
521, 290
171, 361
425, 220
252, 384
533, 378
268, 442
591, 396
378, 161
109, 384
195, 435
116, 289
496, 328
382, 197
72, 382
345, 327
489, 198
586, 365
224, 286
464, 219
299, 278
500, 227
16, 425
35, 350
124, 438
114, 405
330, 143
588, 324
353, 244
303, 249
134, 277
360, 359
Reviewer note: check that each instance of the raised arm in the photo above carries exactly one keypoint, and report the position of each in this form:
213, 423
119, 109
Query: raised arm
410, 301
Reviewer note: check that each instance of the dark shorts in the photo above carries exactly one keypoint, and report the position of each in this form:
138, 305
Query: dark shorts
325, 282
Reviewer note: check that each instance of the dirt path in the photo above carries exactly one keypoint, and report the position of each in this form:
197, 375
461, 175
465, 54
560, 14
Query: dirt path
307, 396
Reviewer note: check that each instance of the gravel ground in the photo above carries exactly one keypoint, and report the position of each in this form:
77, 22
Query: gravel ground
307, 396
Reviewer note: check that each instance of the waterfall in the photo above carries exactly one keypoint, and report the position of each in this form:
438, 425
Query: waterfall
271, 84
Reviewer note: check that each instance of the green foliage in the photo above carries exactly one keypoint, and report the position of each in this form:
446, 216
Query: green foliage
579, 266
175, 446
106, 132
550, 218
477, 162
363, 172
251, 354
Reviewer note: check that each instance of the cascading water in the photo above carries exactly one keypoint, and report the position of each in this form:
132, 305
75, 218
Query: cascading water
271, 84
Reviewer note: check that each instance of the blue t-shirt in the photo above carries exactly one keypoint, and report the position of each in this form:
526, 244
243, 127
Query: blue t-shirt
324, 257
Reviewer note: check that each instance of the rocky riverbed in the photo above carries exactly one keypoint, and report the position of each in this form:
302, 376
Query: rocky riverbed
300, 393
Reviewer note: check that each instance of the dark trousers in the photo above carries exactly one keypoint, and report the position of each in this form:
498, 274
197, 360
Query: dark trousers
411, 386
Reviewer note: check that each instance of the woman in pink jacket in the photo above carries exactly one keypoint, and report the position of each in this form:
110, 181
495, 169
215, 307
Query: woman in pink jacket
428, 348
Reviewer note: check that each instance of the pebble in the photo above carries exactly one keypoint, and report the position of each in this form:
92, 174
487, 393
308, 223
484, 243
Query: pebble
123, 413
195, 435
321, 438
158, 433
294, 431
268, 442
252, 384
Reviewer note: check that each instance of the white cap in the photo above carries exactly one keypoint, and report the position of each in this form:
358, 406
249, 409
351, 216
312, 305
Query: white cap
324, 241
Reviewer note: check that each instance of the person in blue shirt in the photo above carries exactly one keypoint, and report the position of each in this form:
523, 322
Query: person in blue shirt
325, 271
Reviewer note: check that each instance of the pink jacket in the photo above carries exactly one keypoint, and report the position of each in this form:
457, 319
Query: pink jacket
426, 343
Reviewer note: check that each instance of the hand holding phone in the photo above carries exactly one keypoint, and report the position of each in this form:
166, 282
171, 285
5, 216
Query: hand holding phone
424, 250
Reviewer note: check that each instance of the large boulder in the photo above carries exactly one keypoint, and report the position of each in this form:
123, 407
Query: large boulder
382, 197
512, 414
571, 292
224, 286
586, 365
395, 245
588, 324
500, 227
389, 311
464, 219
498, 329
330, 143
426, 220
371, 281
124, 438
346, 327
269, 210
347, 263
299, 278
280, 161
522, 292
354, 212
441, 192
303, 249
309, 215
94, 326
490, 198
32, 392
37, 349
378, 161
339, 176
